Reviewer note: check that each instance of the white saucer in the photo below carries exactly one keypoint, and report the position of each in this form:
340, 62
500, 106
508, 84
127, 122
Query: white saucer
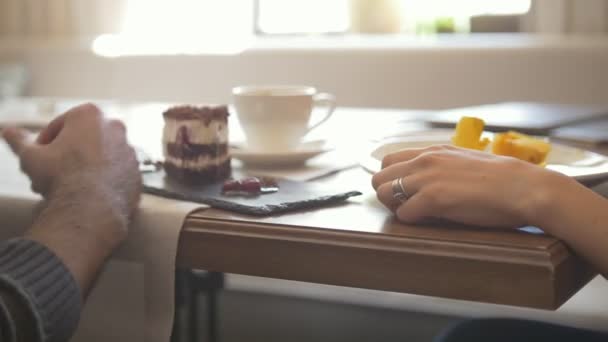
297, 156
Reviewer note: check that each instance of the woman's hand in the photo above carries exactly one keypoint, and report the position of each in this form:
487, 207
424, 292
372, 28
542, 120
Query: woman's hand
466, 186
482, 189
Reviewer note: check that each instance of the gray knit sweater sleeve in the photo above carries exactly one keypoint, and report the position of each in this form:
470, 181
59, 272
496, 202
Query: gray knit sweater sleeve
39, 298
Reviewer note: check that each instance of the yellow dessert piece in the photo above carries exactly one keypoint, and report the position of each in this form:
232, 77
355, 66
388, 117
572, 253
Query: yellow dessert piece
521, 146
468, 134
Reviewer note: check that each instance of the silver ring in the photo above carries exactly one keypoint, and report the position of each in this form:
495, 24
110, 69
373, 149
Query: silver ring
399, 190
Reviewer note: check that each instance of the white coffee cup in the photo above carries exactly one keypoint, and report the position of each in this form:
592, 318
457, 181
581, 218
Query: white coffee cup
276, 118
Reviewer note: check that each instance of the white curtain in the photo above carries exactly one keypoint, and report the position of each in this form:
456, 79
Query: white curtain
60, 18
70, 18
568, 17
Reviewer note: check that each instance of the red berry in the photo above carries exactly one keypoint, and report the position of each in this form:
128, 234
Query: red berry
231, 185
251, 185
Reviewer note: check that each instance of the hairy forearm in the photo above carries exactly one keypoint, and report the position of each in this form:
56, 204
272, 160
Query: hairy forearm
82, 227
578, 216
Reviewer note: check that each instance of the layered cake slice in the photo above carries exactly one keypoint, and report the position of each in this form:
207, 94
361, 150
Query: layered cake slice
195, 144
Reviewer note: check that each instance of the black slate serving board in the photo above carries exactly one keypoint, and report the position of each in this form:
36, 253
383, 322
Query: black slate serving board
290, 197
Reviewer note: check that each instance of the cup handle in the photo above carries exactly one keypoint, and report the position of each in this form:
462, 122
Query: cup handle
324, 99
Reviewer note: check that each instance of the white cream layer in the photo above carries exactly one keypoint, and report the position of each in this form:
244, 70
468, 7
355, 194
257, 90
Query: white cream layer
196, 164
198, 133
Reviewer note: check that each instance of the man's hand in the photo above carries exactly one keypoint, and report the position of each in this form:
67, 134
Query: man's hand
86, 171
79, 146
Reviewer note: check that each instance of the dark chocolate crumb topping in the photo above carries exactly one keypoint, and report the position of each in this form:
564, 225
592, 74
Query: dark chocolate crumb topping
205, 113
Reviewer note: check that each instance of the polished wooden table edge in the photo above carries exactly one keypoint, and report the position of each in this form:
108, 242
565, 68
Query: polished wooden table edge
551, 257
536, 278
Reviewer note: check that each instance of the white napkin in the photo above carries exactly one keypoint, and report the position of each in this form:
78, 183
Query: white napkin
28, 113
134, 296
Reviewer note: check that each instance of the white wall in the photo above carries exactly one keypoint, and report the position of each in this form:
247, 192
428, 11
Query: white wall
383, 76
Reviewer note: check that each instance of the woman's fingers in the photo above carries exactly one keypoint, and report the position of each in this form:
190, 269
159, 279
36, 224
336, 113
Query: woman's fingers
417, 208
401, 156
420, 163
424, 198
459, 185
408, 161
388, 174
386, 191
412, 153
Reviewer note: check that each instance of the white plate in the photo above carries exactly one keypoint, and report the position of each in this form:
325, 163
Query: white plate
293, 157
580, 164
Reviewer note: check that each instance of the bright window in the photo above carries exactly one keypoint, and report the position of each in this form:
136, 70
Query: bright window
298, 16
229, 26
408, 16
180, 27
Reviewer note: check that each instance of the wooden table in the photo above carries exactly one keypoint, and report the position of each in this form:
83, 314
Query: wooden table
360, 244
